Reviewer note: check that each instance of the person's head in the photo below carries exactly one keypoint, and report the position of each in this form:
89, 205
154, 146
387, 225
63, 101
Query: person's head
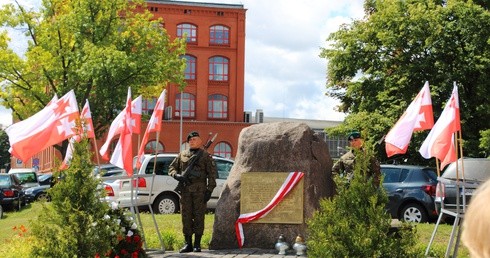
355, 140
194, 140
476, 226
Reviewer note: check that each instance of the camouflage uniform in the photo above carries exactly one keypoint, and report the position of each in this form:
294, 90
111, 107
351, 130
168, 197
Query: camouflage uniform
192, 203
344, 167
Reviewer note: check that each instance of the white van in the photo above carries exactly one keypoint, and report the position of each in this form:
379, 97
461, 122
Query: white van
164, 199
26, 176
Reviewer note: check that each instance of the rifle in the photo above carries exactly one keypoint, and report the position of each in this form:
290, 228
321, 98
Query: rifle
189, 172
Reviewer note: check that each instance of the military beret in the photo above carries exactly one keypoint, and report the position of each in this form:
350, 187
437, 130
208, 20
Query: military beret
353, 135
192, 134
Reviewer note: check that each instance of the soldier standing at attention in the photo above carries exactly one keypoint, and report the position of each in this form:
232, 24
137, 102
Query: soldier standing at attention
345, 165
195, 169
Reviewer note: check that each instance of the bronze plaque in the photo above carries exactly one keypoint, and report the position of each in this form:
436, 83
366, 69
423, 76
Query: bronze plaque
258, 189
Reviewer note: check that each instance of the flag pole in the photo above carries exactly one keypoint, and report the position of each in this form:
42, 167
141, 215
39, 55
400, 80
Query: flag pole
157, 134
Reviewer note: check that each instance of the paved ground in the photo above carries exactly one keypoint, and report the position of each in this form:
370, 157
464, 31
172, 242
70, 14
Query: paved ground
235, 253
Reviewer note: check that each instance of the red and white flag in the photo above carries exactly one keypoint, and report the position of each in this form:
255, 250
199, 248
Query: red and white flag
123, 153
50, 126
136, 109
87, 131
291, 181
117, 125
417, 117
154, 125
87, 122
440, 141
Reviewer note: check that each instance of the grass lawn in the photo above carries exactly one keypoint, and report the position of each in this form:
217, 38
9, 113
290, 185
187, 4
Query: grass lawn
15, 234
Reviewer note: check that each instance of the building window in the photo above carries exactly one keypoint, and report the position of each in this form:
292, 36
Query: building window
187, 30
218, 106
219, 35
188, 105
154, 147
190, 68
148, 105
222, 149
218, 68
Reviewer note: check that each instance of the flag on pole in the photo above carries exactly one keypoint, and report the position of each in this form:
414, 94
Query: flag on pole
417, 117
87, 122
52, 125
154, 125
123, 154
440, 141
136, 110
117, 125
87, 131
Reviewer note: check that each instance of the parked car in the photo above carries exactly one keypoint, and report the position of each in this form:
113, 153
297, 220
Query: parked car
452, 185
411, 192
11, 192
164, 198
27, 176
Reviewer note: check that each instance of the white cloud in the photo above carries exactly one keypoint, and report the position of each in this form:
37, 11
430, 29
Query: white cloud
284, 75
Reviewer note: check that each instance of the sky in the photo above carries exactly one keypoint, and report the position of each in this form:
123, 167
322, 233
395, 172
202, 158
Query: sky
284, 75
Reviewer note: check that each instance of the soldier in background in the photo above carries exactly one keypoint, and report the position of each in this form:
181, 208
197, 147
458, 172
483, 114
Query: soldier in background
344, 167
196, 171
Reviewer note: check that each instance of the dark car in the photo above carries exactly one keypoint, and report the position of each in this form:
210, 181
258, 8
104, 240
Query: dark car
411, 192
461, 177
11, 191
40, 193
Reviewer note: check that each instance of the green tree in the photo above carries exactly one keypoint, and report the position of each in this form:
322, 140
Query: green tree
378, 64
4, 147
73, 223
355, 223
98, 48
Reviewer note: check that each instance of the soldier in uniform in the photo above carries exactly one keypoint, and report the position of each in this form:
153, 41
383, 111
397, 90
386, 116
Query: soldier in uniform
197, 183
345, 165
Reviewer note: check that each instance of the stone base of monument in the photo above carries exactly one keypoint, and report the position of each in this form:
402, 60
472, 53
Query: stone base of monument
266, 154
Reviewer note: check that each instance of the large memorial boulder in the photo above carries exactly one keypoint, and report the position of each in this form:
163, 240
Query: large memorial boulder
273, 147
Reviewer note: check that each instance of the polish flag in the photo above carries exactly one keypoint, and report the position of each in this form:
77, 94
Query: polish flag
417, 117
440, 141
52, 125
123, 153
136, 110
117, 125
154, 125
87, 122
88, 131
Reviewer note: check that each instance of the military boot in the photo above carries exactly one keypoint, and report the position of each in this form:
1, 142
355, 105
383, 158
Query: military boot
188, 244
197, 243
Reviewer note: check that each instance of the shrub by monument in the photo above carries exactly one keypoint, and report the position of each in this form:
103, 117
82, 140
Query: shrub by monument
75, 222
355, 223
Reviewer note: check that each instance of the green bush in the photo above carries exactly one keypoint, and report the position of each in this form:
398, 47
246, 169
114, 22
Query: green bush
355, 223
73, 225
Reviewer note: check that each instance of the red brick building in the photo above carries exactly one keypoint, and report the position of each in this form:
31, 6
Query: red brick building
213, 100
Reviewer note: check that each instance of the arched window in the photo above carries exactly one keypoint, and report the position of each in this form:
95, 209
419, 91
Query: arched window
188, 105
218, 68
189, 31
222, 149
190, 68
154, 147
217, 106
219, 35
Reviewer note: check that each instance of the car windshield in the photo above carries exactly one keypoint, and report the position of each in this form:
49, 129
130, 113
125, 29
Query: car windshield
4, 181
26, 177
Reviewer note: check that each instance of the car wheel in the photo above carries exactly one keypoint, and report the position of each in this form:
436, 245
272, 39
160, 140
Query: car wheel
43, 197
166, 204
1, 211
413, 212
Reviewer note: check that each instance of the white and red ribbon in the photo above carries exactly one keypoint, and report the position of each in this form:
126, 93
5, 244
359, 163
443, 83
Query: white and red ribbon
291, 181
